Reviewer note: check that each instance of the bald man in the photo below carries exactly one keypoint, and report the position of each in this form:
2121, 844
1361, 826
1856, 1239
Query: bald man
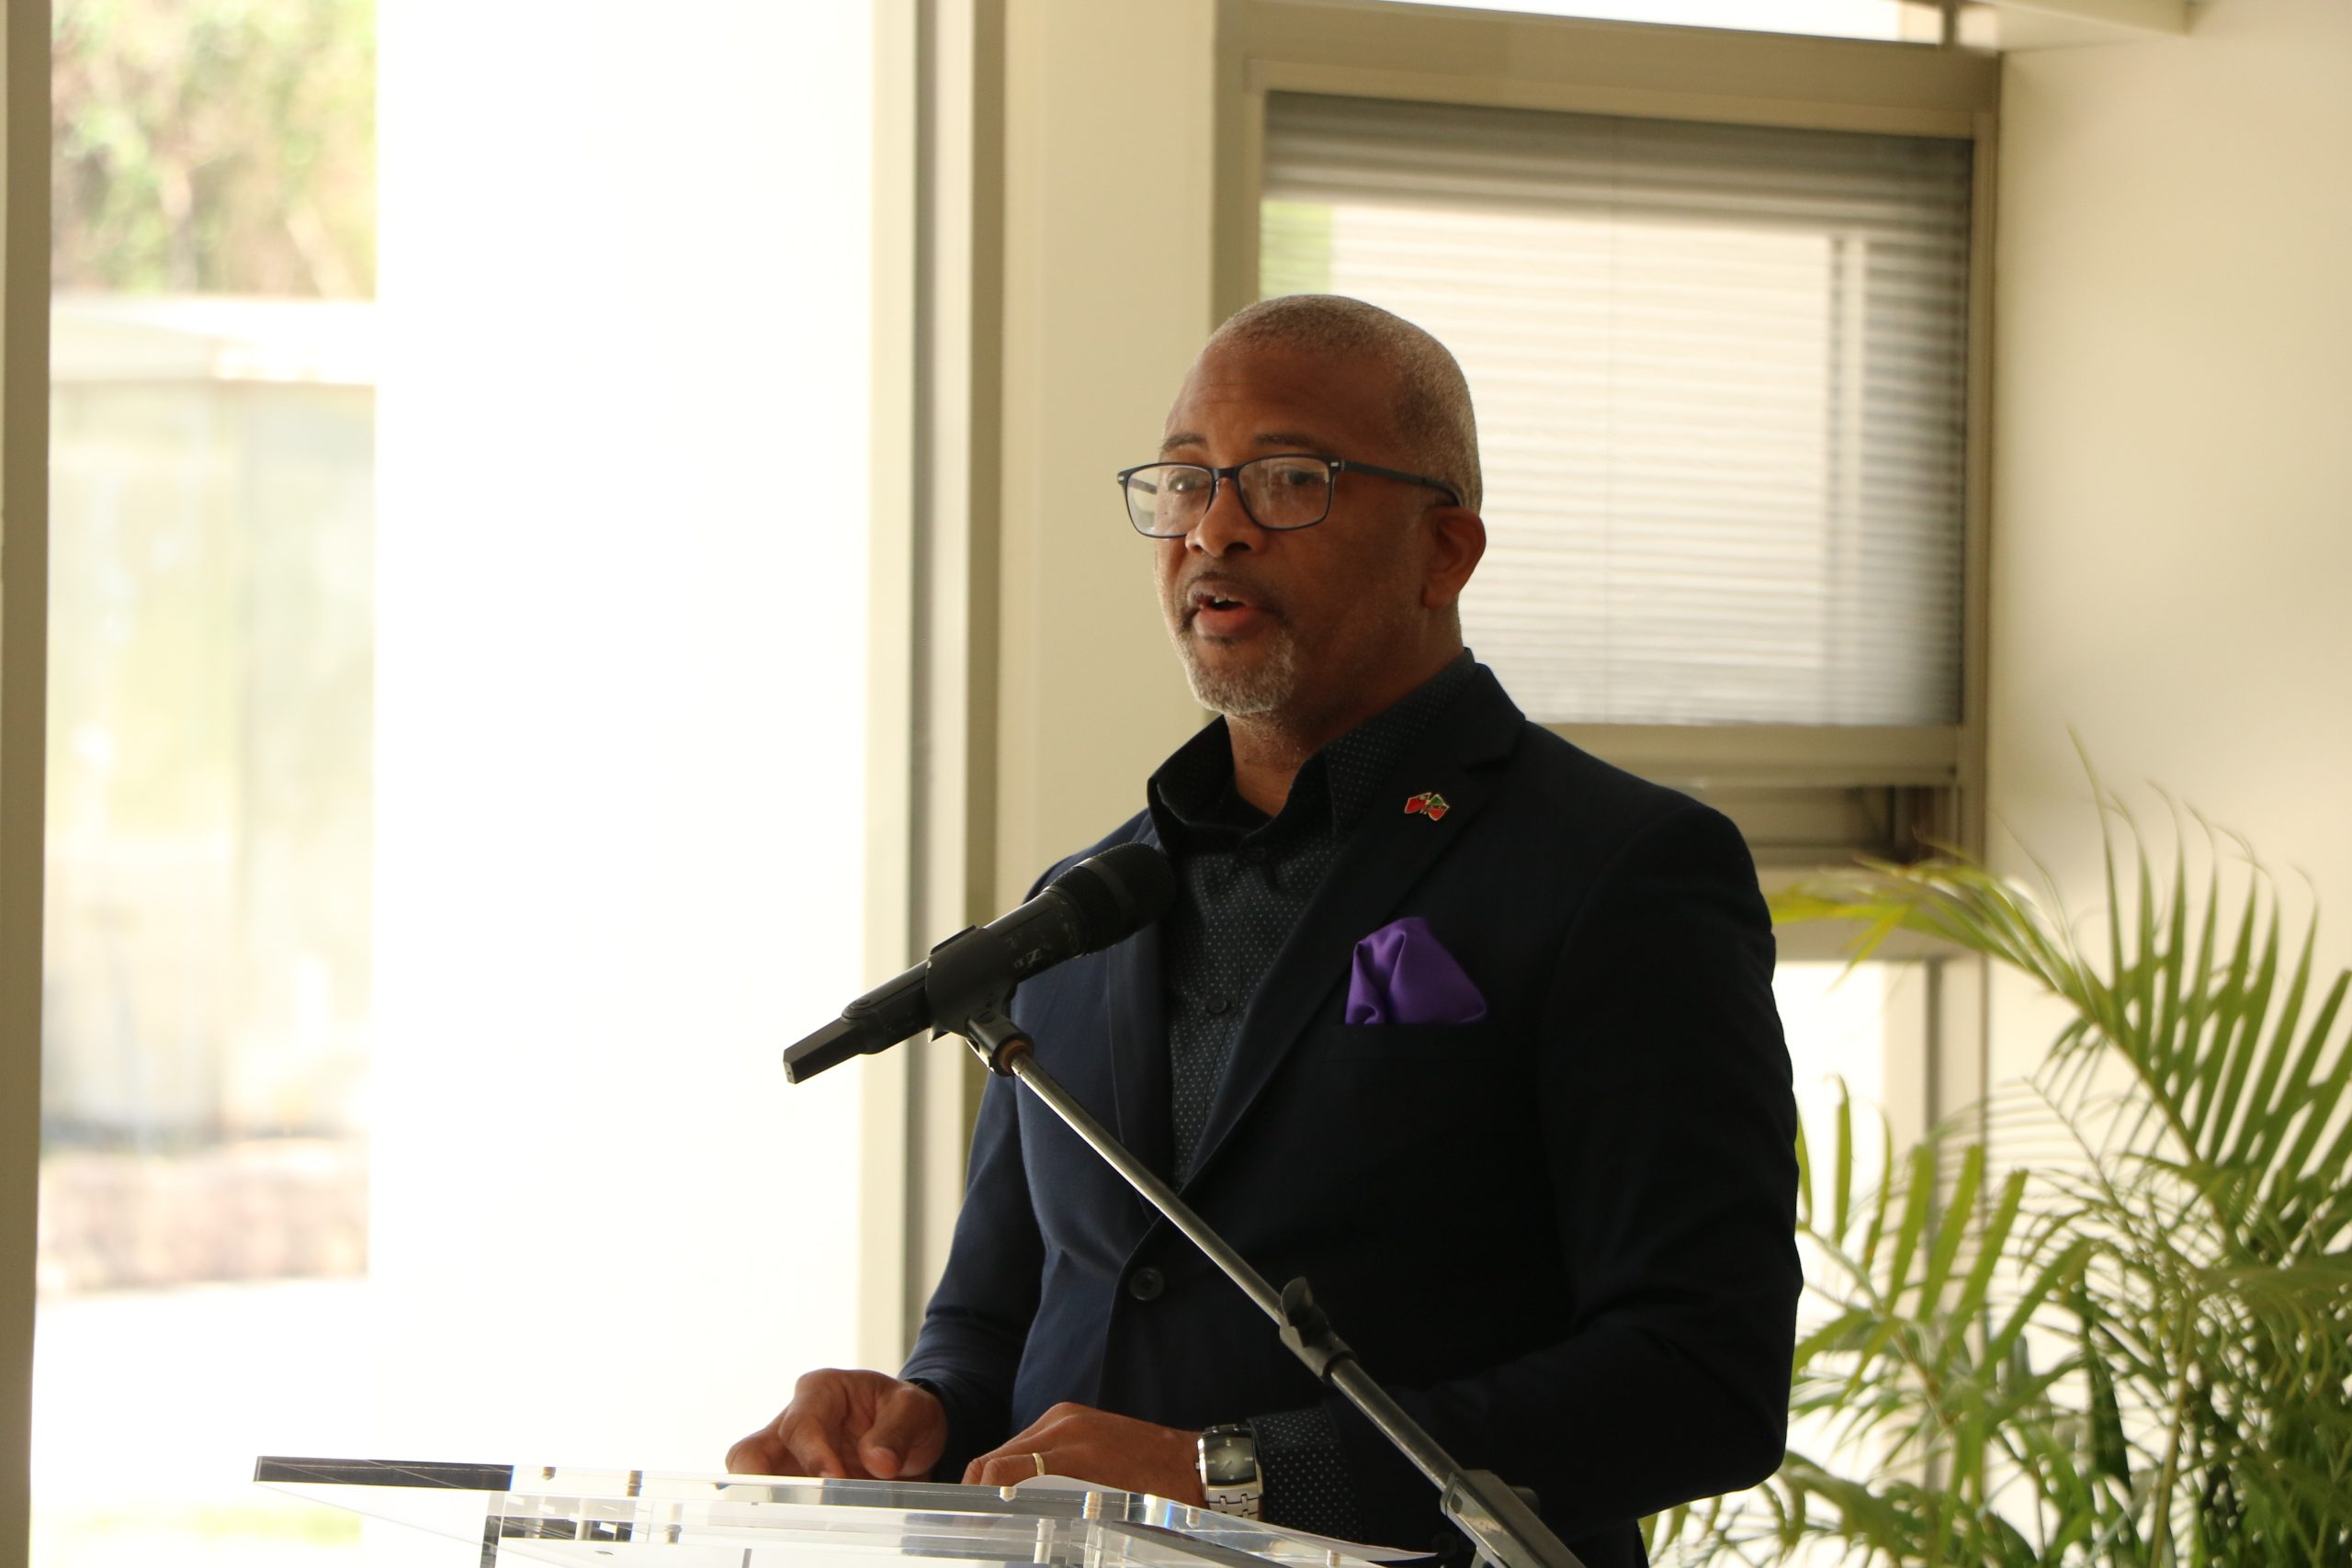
1467, 1028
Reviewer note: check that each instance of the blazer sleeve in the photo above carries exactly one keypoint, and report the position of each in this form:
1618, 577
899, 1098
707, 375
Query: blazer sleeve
1669, 1133
979, 1319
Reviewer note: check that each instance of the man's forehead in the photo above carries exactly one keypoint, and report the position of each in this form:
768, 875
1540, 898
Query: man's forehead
1289, 397
1265, 440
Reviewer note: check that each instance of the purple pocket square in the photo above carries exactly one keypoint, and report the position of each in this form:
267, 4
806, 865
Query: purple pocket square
1403, 974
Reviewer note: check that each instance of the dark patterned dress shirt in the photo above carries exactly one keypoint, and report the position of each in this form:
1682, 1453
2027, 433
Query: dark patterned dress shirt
1244, 878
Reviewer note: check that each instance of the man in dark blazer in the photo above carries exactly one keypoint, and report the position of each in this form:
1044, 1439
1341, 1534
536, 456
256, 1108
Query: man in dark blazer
1467, 1028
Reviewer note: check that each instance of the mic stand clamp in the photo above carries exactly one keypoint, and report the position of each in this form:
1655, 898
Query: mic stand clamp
1500, 1519
997, 1041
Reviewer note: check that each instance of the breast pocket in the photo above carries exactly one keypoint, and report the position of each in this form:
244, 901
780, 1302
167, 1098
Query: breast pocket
1432, 1042
1401, 1096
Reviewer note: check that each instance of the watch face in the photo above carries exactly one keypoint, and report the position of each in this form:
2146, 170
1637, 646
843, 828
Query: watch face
1228, 1457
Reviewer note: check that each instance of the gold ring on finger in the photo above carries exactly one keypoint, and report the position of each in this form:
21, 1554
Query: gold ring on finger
1039, 1460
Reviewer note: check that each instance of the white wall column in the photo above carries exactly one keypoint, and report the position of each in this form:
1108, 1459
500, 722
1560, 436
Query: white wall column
1109, 122
620, 765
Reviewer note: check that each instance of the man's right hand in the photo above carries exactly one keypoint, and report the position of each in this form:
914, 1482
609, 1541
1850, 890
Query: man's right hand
848, 1426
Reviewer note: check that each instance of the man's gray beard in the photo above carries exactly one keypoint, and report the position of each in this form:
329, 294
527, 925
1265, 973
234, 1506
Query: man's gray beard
1241, 694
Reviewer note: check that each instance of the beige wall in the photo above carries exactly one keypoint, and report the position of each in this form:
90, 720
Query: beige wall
2172, 512
1107, 113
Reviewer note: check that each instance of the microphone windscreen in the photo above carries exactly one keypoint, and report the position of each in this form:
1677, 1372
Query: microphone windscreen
1118, 892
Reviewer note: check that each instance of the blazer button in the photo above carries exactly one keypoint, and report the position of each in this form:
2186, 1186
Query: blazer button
1146, 1283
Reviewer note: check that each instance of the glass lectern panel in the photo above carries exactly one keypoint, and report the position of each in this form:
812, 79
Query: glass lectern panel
505, 1515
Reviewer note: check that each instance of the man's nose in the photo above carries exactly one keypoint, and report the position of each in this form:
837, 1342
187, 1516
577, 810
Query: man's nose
1226, 526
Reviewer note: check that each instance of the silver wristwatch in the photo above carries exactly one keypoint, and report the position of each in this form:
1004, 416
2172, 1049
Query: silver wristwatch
1230, 1479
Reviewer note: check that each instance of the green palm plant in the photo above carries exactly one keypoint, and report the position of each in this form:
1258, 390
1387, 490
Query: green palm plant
2133, 1347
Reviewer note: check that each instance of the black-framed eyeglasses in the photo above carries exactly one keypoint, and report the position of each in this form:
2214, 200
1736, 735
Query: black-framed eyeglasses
1282, 491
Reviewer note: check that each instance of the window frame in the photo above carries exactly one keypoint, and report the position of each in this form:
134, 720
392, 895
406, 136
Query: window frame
1924, 783
24, 696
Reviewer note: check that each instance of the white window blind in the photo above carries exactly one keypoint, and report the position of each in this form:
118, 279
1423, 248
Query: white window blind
1720, 376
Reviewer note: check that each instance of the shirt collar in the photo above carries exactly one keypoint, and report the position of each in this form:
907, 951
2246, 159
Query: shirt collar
1193, 791
1359, 761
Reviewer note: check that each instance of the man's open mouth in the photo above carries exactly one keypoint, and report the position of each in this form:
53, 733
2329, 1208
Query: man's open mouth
1219, 597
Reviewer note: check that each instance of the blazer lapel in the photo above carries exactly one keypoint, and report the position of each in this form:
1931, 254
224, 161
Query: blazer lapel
1136, 1008
1386, 854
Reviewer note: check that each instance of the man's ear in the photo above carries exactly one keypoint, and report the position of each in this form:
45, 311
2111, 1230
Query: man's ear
1457, 540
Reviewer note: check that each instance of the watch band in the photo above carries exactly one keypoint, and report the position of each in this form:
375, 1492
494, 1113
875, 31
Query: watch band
1231, 1481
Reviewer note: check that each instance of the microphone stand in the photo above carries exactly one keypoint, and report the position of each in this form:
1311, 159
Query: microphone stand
1497, 1518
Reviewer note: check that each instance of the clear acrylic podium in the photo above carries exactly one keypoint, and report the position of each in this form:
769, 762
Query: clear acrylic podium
502, 1516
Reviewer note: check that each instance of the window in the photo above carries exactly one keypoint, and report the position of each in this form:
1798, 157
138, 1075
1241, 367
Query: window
457, 786
1721, 374
1717, 295
1865, 1033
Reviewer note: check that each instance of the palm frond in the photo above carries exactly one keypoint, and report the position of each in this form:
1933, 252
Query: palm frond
2130, 1341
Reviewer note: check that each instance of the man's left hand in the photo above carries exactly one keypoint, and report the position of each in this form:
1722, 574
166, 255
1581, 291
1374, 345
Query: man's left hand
1095, 1445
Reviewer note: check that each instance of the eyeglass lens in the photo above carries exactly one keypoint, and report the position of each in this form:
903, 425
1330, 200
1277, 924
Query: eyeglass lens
1168, 499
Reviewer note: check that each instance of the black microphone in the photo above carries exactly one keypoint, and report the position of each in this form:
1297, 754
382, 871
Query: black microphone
1101, 899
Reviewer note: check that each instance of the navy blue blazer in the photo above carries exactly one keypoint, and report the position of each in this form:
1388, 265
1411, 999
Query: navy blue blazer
1562, 1237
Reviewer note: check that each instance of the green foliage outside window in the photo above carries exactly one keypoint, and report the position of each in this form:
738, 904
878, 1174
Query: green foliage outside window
214, 146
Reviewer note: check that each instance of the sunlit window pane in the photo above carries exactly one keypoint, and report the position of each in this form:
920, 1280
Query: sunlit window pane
1902, 20
1854, 1035
455, 790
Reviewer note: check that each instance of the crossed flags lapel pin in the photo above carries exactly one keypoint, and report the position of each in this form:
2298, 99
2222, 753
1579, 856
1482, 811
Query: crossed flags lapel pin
1429, 803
